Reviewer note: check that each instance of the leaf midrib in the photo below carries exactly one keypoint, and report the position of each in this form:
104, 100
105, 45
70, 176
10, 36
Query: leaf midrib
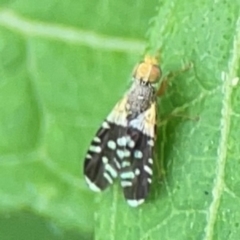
225, 123
28, 27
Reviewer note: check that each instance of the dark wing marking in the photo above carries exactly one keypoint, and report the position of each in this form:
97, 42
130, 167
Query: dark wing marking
102, 162
136, 171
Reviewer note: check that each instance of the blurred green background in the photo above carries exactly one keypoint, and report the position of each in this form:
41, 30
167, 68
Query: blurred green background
64, 64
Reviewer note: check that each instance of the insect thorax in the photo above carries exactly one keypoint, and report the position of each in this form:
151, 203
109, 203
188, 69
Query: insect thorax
139, 98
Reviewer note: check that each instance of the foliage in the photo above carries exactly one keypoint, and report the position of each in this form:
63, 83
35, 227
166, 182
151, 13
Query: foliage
63, 67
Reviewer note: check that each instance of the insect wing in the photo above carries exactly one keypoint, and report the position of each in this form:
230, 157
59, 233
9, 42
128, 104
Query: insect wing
136, 171
102, 163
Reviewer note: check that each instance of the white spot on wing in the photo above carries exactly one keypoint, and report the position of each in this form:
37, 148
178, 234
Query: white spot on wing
135, 203
151, 142
125, 164
97, 139
127, 175
150, 160
126, 184
122, 141
111, 170
96, 149
117, 163
127, 153
105, 125
148, 169
105, 160
131, 143
111, 144
137, 171
120, 154
92, 186
109, 179
138, 154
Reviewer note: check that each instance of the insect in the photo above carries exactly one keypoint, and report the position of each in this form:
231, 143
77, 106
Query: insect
123, 146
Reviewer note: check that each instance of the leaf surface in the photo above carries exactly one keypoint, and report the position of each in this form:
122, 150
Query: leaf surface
62, 68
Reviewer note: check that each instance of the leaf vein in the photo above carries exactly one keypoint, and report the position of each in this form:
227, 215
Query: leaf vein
225, 129
29, 28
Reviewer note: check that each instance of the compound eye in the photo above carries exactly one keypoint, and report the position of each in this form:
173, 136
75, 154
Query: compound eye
147, 71
154, 74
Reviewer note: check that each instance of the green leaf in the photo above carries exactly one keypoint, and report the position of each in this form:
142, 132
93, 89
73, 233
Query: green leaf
62, 68
197, 196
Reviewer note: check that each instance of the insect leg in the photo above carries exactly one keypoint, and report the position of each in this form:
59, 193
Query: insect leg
169, 77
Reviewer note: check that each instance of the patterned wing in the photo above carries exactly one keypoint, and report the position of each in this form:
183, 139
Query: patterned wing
102, 163
136, 170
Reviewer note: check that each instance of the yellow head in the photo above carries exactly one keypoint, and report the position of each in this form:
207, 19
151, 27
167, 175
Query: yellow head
148, 70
